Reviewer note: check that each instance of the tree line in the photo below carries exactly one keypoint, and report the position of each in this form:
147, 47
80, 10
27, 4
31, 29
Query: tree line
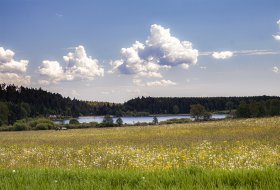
182, 105
21, 102
269, 107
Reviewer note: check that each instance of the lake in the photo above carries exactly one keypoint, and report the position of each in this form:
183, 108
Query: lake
133, 120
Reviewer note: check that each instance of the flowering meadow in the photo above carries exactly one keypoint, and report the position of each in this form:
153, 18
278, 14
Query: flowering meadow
236, 144
228, 145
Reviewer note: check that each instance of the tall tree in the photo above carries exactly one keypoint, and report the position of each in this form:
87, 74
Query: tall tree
119, 121
108, 121
155, 120
197, 111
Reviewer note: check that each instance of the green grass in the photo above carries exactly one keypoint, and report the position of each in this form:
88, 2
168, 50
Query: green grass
192, 178
231, 154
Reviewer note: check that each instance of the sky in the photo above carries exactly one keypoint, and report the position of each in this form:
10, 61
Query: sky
106, 50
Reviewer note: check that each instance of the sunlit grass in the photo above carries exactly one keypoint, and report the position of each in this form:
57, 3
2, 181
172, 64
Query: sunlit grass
187, 179
229, 144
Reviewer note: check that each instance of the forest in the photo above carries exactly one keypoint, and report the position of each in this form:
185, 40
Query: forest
182, 105
21, 102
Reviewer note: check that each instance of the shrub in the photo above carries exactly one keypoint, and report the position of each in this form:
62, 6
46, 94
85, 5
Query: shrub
181, 120
33, 124
20, 126
42, 126
74, 122
93, 124
155, 120
107, 121
7, 128
141, 124
119, 121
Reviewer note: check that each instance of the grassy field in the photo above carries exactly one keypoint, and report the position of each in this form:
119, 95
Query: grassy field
242, 154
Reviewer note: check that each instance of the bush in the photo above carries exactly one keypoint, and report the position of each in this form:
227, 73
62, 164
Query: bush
172, 121
141, 124
29, 124
42, 126
119, 121
33, 124
7, 128
20, 126
155, 120
93, 124
107, 121
74, 122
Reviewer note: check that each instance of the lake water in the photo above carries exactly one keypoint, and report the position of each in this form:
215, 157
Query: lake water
133, 120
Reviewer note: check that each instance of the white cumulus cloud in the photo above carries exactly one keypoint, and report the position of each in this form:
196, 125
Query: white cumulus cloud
52, 69
277, 37
222, 55
161, 83
79, 66
275, 69
160, 51
8, 64
82, 66
12, 71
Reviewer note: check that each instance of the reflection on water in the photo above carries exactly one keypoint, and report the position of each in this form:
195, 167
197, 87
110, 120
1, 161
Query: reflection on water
132, 120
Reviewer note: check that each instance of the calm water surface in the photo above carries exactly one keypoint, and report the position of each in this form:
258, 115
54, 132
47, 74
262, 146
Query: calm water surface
132, 120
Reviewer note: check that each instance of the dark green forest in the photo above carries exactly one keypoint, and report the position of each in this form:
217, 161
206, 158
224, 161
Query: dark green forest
22, 102
175, 105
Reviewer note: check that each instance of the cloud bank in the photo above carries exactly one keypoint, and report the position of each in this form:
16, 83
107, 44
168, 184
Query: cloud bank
12, 70
161, 50
79, 67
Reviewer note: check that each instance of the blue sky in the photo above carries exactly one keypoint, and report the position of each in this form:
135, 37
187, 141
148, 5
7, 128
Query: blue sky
86, 49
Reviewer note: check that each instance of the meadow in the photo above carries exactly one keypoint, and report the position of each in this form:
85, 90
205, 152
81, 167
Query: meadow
227, 154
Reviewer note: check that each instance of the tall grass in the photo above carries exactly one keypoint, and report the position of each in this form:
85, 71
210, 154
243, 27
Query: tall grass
192, 178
